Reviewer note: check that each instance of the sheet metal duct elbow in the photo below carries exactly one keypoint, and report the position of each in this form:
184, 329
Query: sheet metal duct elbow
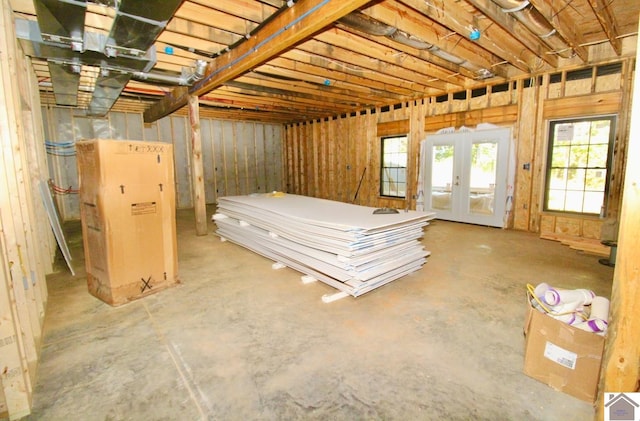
186, 78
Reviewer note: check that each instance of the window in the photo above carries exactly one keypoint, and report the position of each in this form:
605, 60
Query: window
393, 166
578, 164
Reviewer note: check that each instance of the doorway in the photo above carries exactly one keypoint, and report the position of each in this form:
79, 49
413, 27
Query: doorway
466, 176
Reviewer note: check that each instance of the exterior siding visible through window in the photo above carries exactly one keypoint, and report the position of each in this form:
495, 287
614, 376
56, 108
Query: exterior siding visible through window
578, 164
393, 166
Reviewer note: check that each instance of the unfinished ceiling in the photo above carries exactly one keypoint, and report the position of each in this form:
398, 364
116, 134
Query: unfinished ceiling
288, 61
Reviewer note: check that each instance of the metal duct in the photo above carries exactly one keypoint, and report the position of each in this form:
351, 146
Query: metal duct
530, 17
35, 46
137, 25
62, 21
65, 79
107, 90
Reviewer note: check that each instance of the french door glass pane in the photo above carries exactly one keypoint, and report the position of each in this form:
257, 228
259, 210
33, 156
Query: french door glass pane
484, 156
441, 176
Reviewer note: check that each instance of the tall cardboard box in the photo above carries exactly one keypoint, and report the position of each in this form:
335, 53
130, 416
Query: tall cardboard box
562, 356
127, 208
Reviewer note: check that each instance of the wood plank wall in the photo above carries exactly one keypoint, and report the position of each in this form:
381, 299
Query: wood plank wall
326, 158
27, 245
238, 157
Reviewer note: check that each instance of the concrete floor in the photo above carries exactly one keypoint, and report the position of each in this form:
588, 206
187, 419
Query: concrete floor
239, 340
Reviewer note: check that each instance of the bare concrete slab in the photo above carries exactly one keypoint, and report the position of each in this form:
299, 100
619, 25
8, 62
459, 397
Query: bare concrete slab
240, 340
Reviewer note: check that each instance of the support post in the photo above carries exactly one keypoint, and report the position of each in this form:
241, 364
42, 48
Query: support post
621, 363
197, 171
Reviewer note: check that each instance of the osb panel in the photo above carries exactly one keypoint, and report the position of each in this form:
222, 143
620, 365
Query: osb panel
441, 107
480, 102
500, 98
578, 87
554, 90
547, 223
458, 105
569, 226
608, 82
591, 228
526, 140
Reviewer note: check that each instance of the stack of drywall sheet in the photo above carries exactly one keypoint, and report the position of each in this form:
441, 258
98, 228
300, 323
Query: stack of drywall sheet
346, 246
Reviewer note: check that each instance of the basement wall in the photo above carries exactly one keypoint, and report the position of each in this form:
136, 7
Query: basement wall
328, 158
239, 157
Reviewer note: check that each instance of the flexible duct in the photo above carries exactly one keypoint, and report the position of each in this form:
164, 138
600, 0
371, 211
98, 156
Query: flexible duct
371, 26
530, 17
367, 24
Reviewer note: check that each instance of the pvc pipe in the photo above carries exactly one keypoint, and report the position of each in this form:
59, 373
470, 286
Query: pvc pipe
592, 325
540, 289
560, 296
600, 309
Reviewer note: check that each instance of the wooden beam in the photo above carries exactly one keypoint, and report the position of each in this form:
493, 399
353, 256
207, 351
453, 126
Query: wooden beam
620, 365
602, 9
197, 168
286, 29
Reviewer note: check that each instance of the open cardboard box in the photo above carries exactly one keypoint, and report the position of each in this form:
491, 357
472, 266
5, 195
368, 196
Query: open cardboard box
564, 357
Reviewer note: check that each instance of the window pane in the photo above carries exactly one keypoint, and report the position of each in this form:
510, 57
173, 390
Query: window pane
573, 201
560, 156
558, 179
555, 200
593, 202
595, 180
578, 156
598, 156
575, 179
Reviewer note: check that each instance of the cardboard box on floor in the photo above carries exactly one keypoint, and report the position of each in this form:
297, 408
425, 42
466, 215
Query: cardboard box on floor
562, 356
127, 209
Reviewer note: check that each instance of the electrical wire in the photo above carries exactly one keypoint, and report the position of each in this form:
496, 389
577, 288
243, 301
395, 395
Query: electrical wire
60, 148
62, 191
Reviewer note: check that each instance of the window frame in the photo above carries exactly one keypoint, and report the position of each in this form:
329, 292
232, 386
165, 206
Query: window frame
549, 160
381, 190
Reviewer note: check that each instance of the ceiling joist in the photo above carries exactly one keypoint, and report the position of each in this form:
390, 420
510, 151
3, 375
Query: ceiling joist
288, 28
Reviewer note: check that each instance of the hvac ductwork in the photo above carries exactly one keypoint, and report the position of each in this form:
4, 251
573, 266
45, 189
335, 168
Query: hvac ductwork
368, 25
530, 17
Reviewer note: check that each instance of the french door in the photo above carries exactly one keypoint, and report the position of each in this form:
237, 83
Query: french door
466, 176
